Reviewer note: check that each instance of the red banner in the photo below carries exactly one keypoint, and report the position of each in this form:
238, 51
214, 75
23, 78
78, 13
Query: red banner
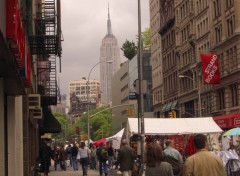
210, 69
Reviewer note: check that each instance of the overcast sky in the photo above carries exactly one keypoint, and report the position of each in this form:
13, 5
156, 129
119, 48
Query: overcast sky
84, 25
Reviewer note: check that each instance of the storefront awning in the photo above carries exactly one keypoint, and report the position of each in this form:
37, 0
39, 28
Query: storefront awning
228, 121
168, 107
49, 123
174, 104
164, 108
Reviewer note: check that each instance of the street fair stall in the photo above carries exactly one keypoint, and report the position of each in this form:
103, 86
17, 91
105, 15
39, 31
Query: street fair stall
98, 142
180, 130
116, 139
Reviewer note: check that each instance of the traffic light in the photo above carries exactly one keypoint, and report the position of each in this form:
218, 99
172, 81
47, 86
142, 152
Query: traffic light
130, 112
172, 114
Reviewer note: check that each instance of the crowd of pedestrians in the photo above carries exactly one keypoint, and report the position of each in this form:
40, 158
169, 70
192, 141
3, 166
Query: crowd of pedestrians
158, 162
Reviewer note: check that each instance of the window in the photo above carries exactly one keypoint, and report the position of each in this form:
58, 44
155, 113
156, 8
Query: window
217, 7
229, 3
231, 25
221, 99
234, 95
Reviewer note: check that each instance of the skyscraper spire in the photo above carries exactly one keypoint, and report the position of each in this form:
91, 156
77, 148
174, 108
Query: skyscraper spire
109, 28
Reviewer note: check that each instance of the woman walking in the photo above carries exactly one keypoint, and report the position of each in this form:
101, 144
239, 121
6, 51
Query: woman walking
84, 153
155, 162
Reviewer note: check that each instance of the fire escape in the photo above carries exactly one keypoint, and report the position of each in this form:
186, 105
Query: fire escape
46, 44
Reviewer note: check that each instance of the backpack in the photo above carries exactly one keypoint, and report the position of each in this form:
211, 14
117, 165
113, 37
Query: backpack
174, 163
104, 154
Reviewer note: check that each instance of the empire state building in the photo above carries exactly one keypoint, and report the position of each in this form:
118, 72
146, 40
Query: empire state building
109, 63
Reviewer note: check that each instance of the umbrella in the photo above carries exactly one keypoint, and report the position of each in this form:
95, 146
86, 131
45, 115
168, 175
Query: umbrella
232, 132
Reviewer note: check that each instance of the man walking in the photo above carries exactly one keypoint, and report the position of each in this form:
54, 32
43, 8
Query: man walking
110, 155
45, 154
74, 151
203, 163
102, 157
173, 157
126, 157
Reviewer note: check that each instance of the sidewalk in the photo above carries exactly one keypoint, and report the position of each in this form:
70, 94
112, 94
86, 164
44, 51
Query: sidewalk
71, 172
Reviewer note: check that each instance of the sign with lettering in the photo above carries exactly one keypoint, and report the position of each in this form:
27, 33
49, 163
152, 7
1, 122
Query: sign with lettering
210, 68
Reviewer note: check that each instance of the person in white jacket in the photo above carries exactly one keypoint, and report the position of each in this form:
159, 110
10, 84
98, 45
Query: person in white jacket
84, 155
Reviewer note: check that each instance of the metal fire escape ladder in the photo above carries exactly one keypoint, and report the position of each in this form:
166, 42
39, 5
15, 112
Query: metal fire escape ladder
45, 40
44, 43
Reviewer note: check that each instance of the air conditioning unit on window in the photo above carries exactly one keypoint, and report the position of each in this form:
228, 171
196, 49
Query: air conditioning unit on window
34, 101
36, 113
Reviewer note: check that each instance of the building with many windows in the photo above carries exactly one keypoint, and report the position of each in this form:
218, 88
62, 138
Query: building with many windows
156, 57
78, 95
109, 63
192, 28
30, 44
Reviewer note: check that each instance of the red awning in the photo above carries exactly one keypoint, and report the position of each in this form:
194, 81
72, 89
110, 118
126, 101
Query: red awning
228, 120
98, 142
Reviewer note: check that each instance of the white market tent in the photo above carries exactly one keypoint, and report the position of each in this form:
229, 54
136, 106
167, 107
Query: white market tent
116, 139
173, 126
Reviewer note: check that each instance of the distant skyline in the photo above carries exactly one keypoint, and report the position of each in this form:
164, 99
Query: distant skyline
84, 25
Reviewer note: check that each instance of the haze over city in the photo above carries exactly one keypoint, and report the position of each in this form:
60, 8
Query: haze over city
84, 25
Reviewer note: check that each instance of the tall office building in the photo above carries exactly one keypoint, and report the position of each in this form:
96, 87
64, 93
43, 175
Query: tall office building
78, 95
109, 63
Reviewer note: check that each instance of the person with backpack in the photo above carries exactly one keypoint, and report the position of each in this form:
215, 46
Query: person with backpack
111, 156
173, 157
102, 158
69, 155
74, 157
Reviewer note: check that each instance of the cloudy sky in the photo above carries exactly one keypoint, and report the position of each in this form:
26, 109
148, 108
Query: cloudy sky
84, 25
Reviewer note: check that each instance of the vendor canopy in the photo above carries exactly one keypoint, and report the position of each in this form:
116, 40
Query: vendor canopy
117, 136
172, 126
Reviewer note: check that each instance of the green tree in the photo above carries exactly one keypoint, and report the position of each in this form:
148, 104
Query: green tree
146, 39
67, 128
129, 49
99, 124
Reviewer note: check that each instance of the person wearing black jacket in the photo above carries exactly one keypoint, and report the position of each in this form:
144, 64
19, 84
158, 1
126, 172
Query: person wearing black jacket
45, 154
102, 157
74, 151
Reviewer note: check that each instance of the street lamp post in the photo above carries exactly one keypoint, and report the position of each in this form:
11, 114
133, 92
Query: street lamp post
88, 90
199, 93
140, 99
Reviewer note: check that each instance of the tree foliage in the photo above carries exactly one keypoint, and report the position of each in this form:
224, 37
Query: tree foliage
100, 124
129, 49
146, 39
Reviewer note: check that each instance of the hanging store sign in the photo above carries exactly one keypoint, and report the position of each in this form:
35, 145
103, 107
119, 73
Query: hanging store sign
210, 68
17, 39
